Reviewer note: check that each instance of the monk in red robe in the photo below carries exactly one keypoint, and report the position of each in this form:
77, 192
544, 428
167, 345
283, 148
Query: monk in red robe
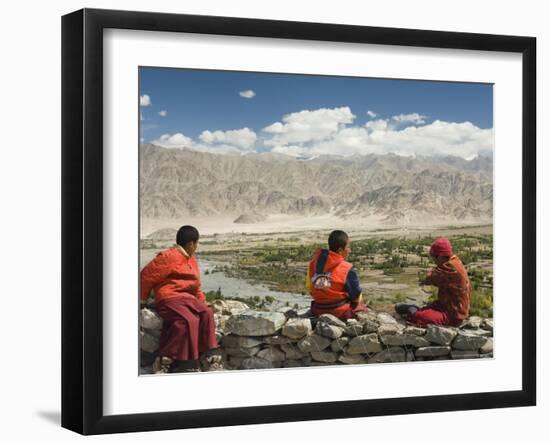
188, 323
333, 282
453, 297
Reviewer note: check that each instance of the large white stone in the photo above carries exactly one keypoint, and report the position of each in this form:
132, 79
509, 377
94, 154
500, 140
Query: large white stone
353, 328
220, 321
404, 340
389, 355
472, 323
467, 341
328, 330
385, 318
242, 352
255, 323
487, 347
370, 326
271, 354
229, 307
352, 359
388, 329
432, 351
147, 342
362, 317
324, 356
480, 332
414, 330
292, 351
313, 343
277, 340
332, 320
364, 344
149, 319
440, 335
488, 324
339, 344
296, 328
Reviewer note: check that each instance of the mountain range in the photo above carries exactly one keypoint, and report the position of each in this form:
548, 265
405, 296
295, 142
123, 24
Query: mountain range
394, 189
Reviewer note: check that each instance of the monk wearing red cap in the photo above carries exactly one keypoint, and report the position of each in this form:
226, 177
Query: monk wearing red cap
453, 298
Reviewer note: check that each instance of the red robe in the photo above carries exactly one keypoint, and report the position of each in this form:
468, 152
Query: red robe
453, 297
188, 323
170, 274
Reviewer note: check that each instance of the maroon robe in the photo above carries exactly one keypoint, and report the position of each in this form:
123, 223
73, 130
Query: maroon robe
188, 328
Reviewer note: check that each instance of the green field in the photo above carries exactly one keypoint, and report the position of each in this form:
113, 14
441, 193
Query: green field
390, 268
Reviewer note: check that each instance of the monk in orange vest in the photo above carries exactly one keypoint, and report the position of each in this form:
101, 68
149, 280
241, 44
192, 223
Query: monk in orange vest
188, 328
333, 282
453, 298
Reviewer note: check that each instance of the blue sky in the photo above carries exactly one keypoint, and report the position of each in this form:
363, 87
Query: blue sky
223, 111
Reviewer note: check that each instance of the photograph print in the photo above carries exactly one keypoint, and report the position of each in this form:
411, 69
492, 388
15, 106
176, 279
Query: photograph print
290, 221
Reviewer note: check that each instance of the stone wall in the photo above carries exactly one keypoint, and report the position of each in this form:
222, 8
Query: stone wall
252, 339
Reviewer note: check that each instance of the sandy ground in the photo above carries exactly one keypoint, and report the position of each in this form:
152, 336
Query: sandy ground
275, 224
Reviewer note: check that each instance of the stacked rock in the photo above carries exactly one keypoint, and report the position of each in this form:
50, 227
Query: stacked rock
251, 339
260, 340
150, 325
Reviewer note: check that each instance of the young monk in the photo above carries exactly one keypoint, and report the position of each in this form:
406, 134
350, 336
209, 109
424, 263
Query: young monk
453, 298
188, 323
333, 282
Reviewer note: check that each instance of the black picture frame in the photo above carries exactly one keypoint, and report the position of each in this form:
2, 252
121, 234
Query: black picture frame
82, 218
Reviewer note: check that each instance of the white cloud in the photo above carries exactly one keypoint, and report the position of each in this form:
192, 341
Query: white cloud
141, 140
410, 118
249, 93
438, 138
144, 100
311, 133
377, 125
177, 140
163, 113
371, 114
348, 141
219, 142
380, 136
241, 138
308, 126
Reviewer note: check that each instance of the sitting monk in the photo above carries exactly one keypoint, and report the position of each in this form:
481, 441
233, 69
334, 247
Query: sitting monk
453, 298
188, 323
333, 282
